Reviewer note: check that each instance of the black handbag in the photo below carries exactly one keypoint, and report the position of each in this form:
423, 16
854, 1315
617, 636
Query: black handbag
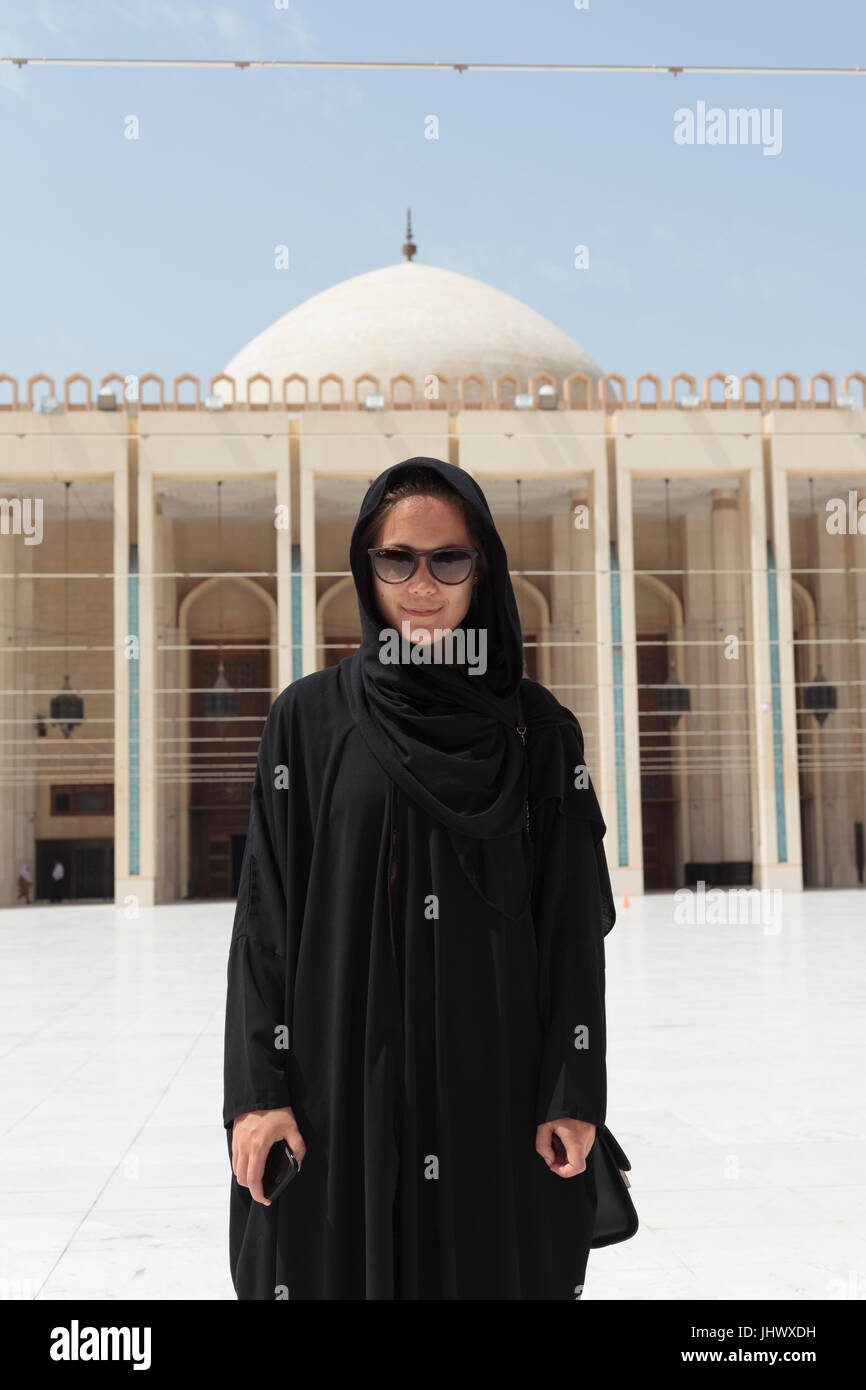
616, 1217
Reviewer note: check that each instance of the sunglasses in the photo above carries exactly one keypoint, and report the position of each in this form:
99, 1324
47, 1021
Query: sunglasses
449, 566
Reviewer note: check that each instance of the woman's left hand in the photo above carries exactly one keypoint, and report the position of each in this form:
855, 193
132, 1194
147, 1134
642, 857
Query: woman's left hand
564, 1144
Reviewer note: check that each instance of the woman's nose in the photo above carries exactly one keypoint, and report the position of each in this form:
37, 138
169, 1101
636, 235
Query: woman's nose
422, 573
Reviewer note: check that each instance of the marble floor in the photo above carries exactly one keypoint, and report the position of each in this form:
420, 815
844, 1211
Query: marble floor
736, 1082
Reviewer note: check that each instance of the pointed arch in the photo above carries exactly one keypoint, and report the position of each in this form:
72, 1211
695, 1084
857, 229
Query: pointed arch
185, 607
529, 595
671, 599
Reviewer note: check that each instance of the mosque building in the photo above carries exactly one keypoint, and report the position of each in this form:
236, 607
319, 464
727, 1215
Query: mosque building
688, 557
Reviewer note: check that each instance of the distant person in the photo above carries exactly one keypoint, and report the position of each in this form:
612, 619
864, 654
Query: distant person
58, 873
25, 882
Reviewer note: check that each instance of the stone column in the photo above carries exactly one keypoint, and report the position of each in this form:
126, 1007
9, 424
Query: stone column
136, 753
697, 668
565, 612
17, 711
730, 668
127, 672
624, 811
834, 740
857, 667
281, 659
767, 872
170, 749
312, 657
789, 875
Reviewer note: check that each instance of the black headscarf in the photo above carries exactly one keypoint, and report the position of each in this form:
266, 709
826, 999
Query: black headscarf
447, 738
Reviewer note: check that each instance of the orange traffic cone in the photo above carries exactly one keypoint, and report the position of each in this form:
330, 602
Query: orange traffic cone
625, 901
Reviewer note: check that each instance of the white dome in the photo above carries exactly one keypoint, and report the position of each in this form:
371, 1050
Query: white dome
407, 318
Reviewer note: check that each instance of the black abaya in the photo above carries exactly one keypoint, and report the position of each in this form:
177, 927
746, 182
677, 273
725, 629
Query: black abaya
441, 982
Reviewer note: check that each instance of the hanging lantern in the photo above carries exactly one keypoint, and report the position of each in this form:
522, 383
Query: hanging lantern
221, 702
67, 708
820, 698
674, 699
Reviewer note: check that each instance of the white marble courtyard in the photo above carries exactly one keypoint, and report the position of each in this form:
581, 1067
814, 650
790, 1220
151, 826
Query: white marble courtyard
736, 1083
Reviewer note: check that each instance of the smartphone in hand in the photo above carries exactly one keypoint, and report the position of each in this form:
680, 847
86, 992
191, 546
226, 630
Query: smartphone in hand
280, 1167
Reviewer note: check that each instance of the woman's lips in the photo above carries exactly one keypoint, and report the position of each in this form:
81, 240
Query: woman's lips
421, 613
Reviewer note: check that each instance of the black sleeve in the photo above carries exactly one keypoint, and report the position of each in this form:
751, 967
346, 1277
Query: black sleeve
257, 1022
572, 911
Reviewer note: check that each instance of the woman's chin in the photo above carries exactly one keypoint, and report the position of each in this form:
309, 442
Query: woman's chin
435, 635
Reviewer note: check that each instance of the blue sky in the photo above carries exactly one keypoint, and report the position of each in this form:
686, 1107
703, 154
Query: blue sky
157, 254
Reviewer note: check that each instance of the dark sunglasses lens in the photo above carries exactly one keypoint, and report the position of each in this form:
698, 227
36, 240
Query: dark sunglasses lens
392, 566
451, 566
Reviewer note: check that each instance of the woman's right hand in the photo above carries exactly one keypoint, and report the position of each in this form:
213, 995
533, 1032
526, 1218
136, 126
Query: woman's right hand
253, 1134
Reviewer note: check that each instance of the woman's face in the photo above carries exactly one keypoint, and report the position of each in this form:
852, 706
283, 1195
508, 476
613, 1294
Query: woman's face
423, 523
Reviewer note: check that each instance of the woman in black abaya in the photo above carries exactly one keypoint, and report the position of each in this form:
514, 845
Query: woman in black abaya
416, 971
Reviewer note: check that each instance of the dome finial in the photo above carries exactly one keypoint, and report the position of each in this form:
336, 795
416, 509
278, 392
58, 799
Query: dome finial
409, 247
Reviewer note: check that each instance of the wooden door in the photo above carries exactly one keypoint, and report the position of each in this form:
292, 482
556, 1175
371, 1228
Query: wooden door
222, 765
